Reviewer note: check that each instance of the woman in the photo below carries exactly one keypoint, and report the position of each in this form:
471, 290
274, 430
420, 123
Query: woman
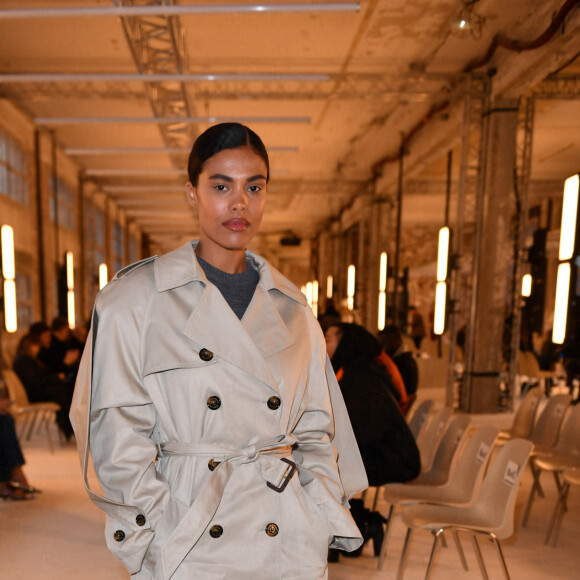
214, 419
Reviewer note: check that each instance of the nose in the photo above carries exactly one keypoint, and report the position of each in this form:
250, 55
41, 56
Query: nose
239, 200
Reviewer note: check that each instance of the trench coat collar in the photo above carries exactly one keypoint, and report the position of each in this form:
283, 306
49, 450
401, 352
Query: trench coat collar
180, 267
246, 343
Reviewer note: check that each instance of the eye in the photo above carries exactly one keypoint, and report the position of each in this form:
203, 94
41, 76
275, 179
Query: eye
221, 187
254, 188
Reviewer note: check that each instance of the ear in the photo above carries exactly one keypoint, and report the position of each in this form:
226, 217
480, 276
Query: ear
191, 194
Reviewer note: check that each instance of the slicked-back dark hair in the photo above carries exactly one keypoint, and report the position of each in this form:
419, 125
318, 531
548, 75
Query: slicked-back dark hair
220, 137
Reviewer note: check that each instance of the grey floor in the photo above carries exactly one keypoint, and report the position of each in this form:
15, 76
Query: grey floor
59, 534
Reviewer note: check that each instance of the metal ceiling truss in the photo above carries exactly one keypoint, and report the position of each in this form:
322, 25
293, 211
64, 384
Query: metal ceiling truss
558, 87
157, 47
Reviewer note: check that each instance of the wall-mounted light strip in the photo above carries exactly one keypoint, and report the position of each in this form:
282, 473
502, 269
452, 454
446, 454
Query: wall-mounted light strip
9, 275
443, 254
173, 10
103, 275
526, 285
382, 315
565, 255
439, 318
57, 121
315, 291
350, 287
329, 286
70, 284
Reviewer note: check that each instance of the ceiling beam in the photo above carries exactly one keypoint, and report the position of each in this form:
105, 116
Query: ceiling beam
95, 151
54, 121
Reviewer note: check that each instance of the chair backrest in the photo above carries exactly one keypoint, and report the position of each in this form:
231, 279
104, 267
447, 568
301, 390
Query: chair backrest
497, 498
446, 451
16, 389
431, 435
525, 416
569, 437
419, 418
470, 469
545, 431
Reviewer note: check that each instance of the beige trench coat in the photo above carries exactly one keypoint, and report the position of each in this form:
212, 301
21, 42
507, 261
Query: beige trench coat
172, 384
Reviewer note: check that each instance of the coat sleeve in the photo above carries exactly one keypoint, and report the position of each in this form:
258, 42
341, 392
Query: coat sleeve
113, 415
330, 466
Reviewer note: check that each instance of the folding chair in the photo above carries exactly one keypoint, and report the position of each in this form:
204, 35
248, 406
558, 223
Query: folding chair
524, 417
420, 416
431, 435
569, 477
492, 515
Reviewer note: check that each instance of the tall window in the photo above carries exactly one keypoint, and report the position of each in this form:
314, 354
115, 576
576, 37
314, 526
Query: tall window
14, 177
66, 202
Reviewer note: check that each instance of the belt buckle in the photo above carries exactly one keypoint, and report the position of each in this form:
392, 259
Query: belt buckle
287, 476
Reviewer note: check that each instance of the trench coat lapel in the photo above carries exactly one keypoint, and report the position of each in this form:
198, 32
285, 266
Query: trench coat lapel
246, 343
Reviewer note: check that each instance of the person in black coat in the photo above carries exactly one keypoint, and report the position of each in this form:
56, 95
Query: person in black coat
41, 384
387, 446
391, 340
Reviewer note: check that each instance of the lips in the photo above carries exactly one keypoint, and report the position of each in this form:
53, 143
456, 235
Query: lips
237, 224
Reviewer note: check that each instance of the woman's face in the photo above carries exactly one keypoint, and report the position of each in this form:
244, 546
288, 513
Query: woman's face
230, 197
332, 336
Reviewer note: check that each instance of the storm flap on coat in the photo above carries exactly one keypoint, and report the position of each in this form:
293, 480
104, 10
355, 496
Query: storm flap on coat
191, 416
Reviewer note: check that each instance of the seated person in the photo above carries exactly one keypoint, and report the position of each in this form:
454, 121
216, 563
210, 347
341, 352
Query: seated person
13, 482
391, 340
63, 354
41, 384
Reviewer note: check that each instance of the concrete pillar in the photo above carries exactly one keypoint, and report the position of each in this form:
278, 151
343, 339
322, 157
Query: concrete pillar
492, 260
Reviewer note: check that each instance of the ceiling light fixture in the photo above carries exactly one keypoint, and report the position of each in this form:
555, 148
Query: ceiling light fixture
160, 77
53, 121
172, 10
468, 20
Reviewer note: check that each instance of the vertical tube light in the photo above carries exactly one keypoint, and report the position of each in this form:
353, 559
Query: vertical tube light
329, 286
70, 284
9, 275
315, 297
103, 275
351, 273
382, 291
441, 287
527, 285
565, 255
309, 293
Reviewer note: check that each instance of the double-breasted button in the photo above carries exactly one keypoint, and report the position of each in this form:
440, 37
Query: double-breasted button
214, 403
212, 464
216, 531
119, 535
272, 530
205, 355
274, 403
140, 520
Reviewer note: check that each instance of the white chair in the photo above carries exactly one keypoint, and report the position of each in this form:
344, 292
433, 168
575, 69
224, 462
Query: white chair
27, 413
524, 417
565, 454
431, 435
492, 515
419, 418
461, 489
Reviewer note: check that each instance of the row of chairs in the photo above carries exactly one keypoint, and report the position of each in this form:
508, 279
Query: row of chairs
454, 493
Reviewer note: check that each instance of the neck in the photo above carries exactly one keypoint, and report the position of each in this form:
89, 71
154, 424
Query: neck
229, 261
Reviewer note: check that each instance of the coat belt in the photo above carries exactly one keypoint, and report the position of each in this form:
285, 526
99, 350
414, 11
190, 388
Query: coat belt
269, 457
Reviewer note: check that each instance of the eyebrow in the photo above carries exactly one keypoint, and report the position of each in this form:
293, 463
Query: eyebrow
229, 179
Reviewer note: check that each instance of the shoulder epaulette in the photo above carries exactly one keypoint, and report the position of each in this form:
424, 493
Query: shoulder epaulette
128, 269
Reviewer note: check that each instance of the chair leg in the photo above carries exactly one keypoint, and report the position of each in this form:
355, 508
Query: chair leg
535, 487
460, 550
46, 421
436, 535
495, 541
31, 426
383, 554
479, 557
562, 511
404, 554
